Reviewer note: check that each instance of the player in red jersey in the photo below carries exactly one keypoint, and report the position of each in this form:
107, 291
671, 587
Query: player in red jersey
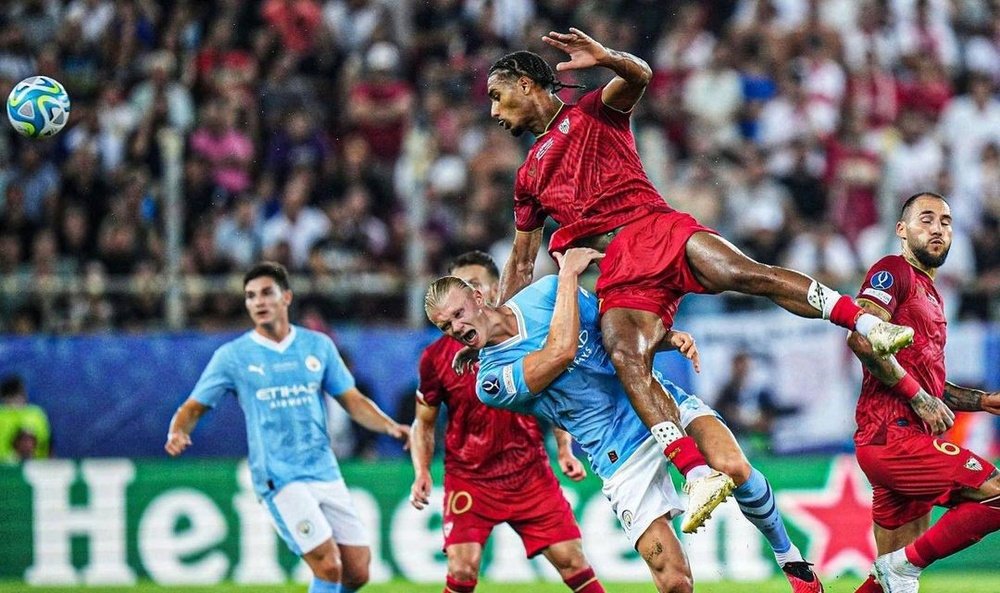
496, 468
905, 401
584, 172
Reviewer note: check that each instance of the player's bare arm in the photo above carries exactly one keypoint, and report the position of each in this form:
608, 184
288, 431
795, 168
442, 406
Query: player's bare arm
887, 369
633, 74
543, 366
421, 453
571, 467
366, 413
966, 399
182, 424
519, 270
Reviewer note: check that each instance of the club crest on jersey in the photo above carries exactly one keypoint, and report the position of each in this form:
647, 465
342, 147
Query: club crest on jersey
313, 363
973, 465
564, 126
491, 385
881, 280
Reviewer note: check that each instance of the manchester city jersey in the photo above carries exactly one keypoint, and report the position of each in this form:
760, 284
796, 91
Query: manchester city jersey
281, 388
587, 400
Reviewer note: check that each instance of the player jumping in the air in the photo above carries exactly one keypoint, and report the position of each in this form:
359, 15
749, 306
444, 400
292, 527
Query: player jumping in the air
905, 401
542, 354
283, 377
495, 466
584, 171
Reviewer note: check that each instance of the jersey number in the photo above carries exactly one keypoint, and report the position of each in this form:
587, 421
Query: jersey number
946, 447
458, 502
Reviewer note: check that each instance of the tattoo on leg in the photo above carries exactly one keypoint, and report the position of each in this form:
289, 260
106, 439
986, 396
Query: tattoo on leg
653, 551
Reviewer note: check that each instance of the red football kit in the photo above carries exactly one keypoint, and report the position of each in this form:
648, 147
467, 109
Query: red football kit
496, 468
911, 471
585, 173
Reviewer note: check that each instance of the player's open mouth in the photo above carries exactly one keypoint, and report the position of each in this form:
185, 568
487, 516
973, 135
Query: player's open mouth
469, 337
503, 124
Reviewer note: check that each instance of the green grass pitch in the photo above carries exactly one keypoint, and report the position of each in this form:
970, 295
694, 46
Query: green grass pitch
944, 582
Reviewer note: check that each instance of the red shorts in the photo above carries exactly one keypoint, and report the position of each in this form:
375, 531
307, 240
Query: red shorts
538, 513
915, 472
645, 267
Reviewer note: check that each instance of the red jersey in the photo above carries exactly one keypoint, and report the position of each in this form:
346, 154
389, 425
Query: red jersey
909, 296
585, 173
492, 447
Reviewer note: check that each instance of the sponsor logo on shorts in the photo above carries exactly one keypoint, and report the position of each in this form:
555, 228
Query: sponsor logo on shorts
627, 519
564, 126
613, 455
881, 280
508, 380
881, 295
305, 527
973, 465
491, 385
313, 363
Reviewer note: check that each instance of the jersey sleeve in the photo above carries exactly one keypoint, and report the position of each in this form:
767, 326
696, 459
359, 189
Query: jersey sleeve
501, 384
592, 104
337, 379
528, 213
430, 391
887, 283
215, 381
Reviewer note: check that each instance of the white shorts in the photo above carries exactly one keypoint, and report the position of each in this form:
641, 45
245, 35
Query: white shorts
306, 514
641, 490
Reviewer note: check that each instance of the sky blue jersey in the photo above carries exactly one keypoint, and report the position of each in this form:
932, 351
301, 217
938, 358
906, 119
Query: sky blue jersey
587, 400
281, 388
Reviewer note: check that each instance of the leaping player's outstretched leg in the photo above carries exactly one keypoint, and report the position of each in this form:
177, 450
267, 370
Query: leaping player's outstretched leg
718, 265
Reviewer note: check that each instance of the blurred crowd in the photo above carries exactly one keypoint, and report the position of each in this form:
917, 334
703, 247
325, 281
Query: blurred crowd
336, 136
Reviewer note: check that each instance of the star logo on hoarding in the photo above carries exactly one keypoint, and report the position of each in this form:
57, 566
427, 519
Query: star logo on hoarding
838, 520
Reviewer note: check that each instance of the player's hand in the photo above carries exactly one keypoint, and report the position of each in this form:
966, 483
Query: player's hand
572, 467
177, 442
933, 411
420, 492
583, 51
575, 260
991, 403
465, 359
400, 432
684, 343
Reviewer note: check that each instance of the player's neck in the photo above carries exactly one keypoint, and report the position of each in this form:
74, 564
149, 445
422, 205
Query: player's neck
503, 325
913, 261
276, 332
550, 111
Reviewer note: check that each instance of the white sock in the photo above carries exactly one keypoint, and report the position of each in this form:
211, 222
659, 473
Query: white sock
898, 559
865, 323
698, 471
791, 555
822, 298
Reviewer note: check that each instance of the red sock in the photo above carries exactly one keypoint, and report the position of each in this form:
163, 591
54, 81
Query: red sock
959, 528
845, 312
584, 581
456, 586
684, 454
869, 586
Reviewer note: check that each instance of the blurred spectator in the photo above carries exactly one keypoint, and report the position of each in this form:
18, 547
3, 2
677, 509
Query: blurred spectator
747, 401
24, 427
297, 225
297, 22
177, 103
381, 103
239, 235
913, 164
226, 148
714, 96
354, 24
825, 255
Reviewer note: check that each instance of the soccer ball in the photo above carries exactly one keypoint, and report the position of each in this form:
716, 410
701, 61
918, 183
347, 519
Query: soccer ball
38, 107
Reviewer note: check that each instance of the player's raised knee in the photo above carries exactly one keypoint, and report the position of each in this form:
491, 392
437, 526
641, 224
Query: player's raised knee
463, 571
735, 466
355, 577
329, 568
674, 582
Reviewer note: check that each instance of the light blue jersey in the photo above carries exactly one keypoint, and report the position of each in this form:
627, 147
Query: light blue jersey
587, 400
281, 388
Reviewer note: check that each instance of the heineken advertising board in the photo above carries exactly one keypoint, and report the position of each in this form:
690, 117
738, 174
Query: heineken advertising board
195, 521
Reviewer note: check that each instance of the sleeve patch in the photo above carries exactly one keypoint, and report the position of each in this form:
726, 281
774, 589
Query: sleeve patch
881, 295
881, 280
508, 380
490, 384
